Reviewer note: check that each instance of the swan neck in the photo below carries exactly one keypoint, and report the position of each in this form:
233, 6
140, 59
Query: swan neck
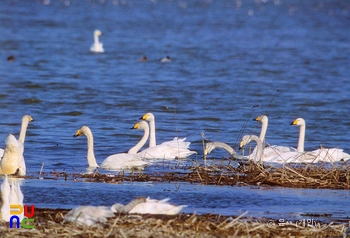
90, 154
22, 134
264, 125
224, 146
301, 140
152, 139
259, 147
96, 39
141, 143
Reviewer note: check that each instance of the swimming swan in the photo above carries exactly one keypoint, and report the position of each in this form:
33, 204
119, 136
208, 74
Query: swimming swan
112, 162
271, 150
12, 156
178, 143
287, 157
166, 150
97, 47
324, 154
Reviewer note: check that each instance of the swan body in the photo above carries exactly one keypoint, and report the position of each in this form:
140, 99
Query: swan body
21, 163
5, 195
148, 206
97, 47
153, 206
323, 154
89, 215
11, 194
176, 142
165, 59
112, 162
273, 150
12, 156
166, 150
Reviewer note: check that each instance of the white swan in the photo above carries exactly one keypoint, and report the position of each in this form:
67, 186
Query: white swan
24, 125
149, 206
10, 194
97, 47
323, 154
287, 157
165, 59
271, 150
93, 215
166, 150
113, 162
178, 143
89, 215
12, 156
210, 146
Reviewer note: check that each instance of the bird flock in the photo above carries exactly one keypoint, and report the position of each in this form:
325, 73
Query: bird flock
12, 163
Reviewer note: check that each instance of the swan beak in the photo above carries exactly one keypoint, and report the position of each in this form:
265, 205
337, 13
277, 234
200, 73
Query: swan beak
295, 122
78, 133
241, 145
144, 117
257, 119
136, 126
31, 119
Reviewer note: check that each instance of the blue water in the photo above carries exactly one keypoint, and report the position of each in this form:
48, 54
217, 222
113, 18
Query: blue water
289, 57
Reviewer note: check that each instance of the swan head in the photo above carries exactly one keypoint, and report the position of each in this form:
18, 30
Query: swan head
298, 122
141, 125
97, 33
148, 117
27, 118
261, 118
82, 131
246, 139
209, 147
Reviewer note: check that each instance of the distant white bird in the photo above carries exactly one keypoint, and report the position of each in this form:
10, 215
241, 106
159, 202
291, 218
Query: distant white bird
165, 59
97, 47
153, 206
113, 162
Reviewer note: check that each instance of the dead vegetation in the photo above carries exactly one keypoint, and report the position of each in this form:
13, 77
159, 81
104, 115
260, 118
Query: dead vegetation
50, 223
289, 175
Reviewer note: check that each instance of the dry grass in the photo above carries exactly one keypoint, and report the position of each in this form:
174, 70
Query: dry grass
296, 176
50, 223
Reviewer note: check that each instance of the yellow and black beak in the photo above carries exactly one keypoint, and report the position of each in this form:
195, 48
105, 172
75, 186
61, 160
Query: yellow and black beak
78, 133
295, 122
136, 126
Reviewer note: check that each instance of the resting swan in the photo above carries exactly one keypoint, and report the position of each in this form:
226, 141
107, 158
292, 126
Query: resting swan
113, 162
287, 157
21, 166
178, 143
97, 47
92, 215
324, 154
167, 150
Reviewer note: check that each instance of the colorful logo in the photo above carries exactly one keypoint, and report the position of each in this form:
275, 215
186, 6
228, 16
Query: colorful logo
27, 222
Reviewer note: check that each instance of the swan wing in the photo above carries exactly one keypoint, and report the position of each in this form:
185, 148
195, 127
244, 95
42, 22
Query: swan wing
89, 215
330, 155
5, 195
123, 161
165, 152
153, 206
